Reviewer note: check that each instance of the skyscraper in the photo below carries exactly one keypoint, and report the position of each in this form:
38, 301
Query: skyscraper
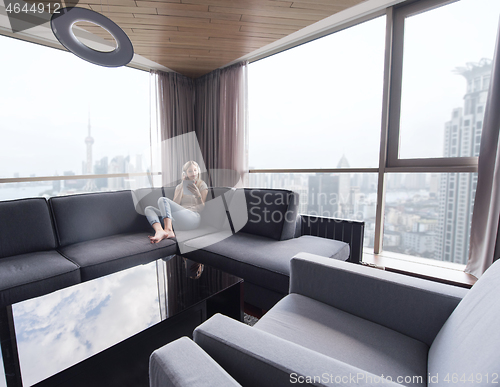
89, 141
345, 198
457, 190
323, 195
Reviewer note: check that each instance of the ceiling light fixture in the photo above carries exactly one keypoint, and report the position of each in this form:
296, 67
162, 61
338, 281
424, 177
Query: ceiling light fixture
62, 23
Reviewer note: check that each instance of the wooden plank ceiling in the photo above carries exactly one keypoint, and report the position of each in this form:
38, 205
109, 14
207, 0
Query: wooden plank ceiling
194, 37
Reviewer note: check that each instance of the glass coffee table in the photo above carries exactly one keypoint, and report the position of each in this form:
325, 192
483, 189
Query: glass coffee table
101, 332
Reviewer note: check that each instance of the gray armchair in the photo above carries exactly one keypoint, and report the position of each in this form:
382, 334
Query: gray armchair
345, 324
183, 363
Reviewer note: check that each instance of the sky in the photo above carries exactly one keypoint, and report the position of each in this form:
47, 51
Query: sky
46, 98
436, 43
319, 101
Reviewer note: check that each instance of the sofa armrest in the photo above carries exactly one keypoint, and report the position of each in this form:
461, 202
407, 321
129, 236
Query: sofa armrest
348, 231
257, 358
183, 363
415, 307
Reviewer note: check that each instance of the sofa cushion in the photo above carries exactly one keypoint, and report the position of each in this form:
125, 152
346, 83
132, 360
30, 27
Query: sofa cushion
345, 337
103, 256
213, 219
214, 212
271, 213
411, 306
34, 274
217, 234
85, 217
467, 344
256, 358
260, 260
16, 216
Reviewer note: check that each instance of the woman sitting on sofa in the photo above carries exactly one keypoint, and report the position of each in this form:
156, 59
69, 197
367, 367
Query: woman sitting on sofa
183, 210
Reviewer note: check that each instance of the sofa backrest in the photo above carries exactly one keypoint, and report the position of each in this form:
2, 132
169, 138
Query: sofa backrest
21, 217
85, 217
215, 212
144, 197
467, 344
272, 213
169, 192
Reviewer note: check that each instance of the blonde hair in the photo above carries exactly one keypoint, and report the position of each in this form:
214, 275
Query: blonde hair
186, 166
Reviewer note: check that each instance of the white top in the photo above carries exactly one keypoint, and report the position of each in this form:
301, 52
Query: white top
189, 201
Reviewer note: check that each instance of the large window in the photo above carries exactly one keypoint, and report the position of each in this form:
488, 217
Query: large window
443, 54
62, 118
320, 106
305, 103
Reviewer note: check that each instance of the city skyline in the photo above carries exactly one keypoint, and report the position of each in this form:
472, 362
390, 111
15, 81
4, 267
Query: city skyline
426, 215
43, 120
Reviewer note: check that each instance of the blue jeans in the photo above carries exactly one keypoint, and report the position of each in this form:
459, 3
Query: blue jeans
182, 218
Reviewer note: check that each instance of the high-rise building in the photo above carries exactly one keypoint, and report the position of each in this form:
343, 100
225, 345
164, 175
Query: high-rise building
346, 207
117, 165
56, 185
89, 141
72, 185
101, 168
457, 190
322, 198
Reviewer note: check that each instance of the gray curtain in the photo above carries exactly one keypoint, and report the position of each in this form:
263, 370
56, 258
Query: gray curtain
486, 215
221, 115
215, 108
175, 110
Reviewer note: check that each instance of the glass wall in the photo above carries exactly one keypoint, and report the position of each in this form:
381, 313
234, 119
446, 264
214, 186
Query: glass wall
63, 116
446, 75
319, 106
305, 103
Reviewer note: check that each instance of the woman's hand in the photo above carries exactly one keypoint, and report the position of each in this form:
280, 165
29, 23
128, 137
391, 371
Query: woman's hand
194, 190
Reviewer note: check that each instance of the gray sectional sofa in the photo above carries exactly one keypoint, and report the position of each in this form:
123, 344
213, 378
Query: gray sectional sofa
49, 245
261, 250
103, 234
348, 325
30, 265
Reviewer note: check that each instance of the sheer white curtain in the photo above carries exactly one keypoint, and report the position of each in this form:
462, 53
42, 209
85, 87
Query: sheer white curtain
486, 215
215, 108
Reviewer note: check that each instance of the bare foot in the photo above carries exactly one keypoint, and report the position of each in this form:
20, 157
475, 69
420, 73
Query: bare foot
170, 234
159, 236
